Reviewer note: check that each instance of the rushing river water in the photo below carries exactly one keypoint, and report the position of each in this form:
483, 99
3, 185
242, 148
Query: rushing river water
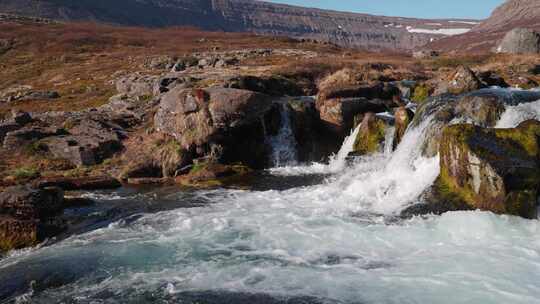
320, 233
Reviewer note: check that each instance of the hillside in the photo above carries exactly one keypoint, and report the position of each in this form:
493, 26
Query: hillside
486, 35
346, 29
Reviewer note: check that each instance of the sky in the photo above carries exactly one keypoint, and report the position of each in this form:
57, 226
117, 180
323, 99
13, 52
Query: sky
475, 9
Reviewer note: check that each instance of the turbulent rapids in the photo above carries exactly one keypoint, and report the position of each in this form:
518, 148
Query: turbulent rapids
339, 240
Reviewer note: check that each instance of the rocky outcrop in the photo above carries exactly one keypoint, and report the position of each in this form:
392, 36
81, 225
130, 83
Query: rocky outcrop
493, 169
224, 123
483, 108
348, 29
460, 81
520, 41
28, 216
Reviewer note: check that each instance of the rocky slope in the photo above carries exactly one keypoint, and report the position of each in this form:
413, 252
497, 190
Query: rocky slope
347, 29
485, 36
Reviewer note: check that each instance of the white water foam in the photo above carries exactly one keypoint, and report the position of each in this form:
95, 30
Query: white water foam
284, 143
322, 241
514, 115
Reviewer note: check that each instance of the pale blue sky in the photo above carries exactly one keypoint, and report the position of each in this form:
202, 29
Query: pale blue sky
477, 9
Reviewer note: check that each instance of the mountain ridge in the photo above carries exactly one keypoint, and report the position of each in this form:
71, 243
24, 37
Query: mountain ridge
343, 28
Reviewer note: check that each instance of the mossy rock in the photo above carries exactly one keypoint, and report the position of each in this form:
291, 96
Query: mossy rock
421, 93
403, 117
370, 138
209, 175
493, 169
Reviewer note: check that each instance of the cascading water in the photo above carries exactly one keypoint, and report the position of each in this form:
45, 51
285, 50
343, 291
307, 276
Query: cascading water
336, 242
283, 144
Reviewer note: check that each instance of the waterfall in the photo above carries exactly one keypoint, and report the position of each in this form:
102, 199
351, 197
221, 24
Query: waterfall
283, 144
339, 160
514, 115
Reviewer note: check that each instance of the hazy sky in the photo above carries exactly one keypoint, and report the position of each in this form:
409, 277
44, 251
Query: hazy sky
407, 8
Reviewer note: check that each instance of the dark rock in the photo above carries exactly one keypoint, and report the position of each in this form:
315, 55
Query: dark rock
493, 169
490, 78
79, 183
29, 216
231, 119
272, 85
520, 41
23, 137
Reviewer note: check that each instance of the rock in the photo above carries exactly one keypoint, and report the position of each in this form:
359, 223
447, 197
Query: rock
483, 108
490, 78
137, 85
211, 174
5, 45
148, 181
425, 54
493, 169
520, 41
28, 216
403, 117
159, 62
21, 118
79, 183
89, 142
270, 85
23, 137
338, 114
462, 80
314, 142
229, 120
371, 136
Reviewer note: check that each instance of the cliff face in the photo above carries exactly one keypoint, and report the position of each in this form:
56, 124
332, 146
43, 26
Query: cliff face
485, 36
348, 29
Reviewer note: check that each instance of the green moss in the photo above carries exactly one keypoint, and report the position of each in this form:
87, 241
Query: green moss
370, 137
421, 93
25, 173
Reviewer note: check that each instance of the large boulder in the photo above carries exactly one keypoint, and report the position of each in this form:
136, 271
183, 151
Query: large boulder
460, 81
28, 216
493, 169
520, 41
228, 123
483, 108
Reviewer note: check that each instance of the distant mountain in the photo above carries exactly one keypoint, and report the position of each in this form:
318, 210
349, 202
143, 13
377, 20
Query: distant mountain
485, 36
347, 29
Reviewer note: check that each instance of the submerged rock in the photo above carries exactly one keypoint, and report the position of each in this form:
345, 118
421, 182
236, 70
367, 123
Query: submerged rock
493, 169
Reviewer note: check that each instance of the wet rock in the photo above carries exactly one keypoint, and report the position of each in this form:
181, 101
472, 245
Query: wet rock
490, 78
314, 142
462, 80
520, 41
79, 183
483, 108
338, 114
402, 118
28, 216
230, 120
211, 174
149, 181
371, 136
493, 169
